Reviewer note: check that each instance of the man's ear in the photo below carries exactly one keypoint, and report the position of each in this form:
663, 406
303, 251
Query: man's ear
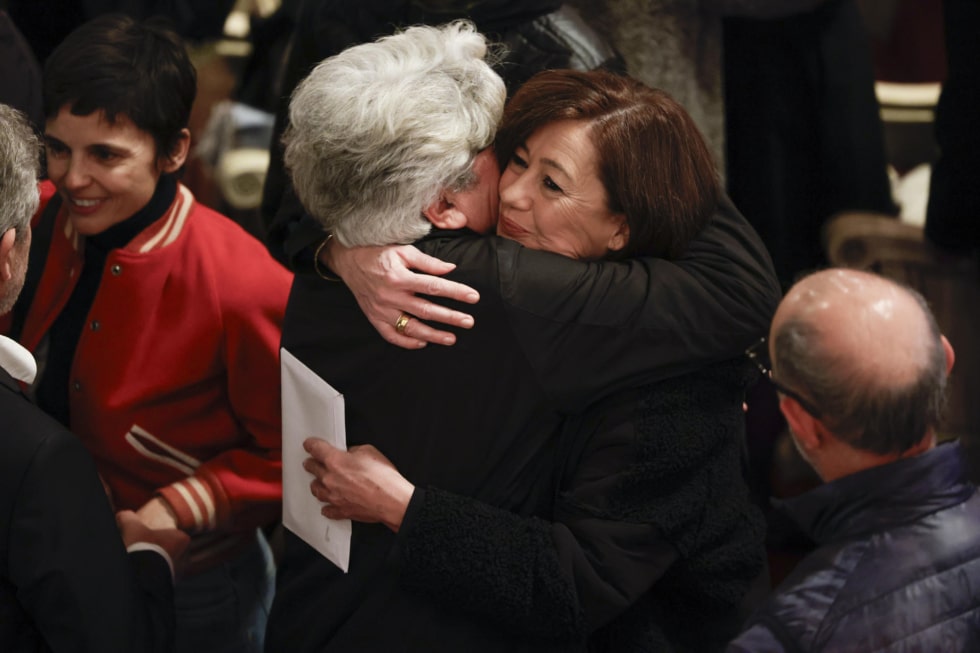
805, 426
6, 247
173, 161
622, 235
443, 213
950, 354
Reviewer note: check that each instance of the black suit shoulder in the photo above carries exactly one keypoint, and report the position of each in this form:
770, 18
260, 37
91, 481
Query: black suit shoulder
28, 433
66, 582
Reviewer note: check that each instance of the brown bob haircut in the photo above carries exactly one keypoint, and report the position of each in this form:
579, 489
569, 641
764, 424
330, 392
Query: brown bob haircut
652, 160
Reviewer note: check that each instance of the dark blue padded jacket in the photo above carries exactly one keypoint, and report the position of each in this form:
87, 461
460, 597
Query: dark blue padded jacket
897, 570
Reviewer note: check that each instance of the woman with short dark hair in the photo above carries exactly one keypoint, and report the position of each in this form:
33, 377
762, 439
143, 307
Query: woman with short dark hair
160, 346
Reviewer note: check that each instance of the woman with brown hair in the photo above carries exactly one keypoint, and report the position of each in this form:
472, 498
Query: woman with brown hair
638, 149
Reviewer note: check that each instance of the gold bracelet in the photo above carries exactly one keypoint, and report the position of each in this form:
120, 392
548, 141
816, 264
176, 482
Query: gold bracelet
316, 262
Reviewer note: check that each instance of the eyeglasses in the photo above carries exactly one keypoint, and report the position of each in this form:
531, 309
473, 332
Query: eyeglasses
759, 354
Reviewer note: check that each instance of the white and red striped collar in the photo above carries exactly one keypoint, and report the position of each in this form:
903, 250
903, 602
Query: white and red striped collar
158, 235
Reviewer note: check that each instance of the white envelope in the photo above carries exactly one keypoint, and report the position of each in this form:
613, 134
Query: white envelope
310, 408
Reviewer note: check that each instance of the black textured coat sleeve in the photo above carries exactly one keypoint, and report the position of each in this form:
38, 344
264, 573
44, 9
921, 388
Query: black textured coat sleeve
644, 499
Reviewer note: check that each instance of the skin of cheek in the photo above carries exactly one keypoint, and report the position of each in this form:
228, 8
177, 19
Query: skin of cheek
570, 232
566, 224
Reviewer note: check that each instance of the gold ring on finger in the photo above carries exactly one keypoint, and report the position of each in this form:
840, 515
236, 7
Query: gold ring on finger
402, 322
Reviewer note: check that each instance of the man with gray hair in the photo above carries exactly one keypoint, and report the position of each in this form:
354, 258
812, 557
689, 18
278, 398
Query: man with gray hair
861, 369
19, 199
363, 167
66, 582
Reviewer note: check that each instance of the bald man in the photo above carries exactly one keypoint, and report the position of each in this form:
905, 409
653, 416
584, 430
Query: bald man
861, 369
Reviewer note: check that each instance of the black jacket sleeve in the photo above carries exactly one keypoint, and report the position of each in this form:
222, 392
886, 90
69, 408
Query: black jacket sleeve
591, 328
552, 581
66, 560
652, 495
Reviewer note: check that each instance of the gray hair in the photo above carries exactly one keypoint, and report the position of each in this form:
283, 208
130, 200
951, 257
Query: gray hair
379, 130
20, 153
871, 414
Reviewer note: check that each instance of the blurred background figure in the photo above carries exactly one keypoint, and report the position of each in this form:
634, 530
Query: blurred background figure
953, 217
46, 23
20, 74
926, 61
677, 45
805, 139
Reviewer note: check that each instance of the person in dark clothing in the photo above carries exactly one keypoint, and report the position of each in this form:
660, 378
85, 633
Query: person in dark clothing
804, 138
535, 34
20, 74
552, 334
862, 369
954, 195
46, 23
66, 581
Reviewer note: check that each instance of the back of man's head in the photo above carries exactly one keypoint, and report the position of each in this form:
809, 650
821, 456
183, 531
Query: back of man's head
867, 353
19, 167
378, 131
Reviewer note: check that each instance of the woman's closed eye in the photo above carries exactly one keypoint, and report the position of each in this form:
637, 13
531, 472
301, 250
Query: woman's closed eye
56, 148
520, 163
104, 154
550, 184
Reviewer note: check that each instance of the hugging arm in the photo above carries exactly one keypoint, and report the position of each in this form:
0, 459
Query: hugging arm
590, 329
652, 318
384, 285
550, 580
652, 497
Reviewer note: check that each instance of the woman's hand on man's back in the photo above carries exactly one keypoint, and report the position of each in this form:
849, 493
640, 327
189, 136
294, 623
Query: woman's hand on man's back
388, 283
